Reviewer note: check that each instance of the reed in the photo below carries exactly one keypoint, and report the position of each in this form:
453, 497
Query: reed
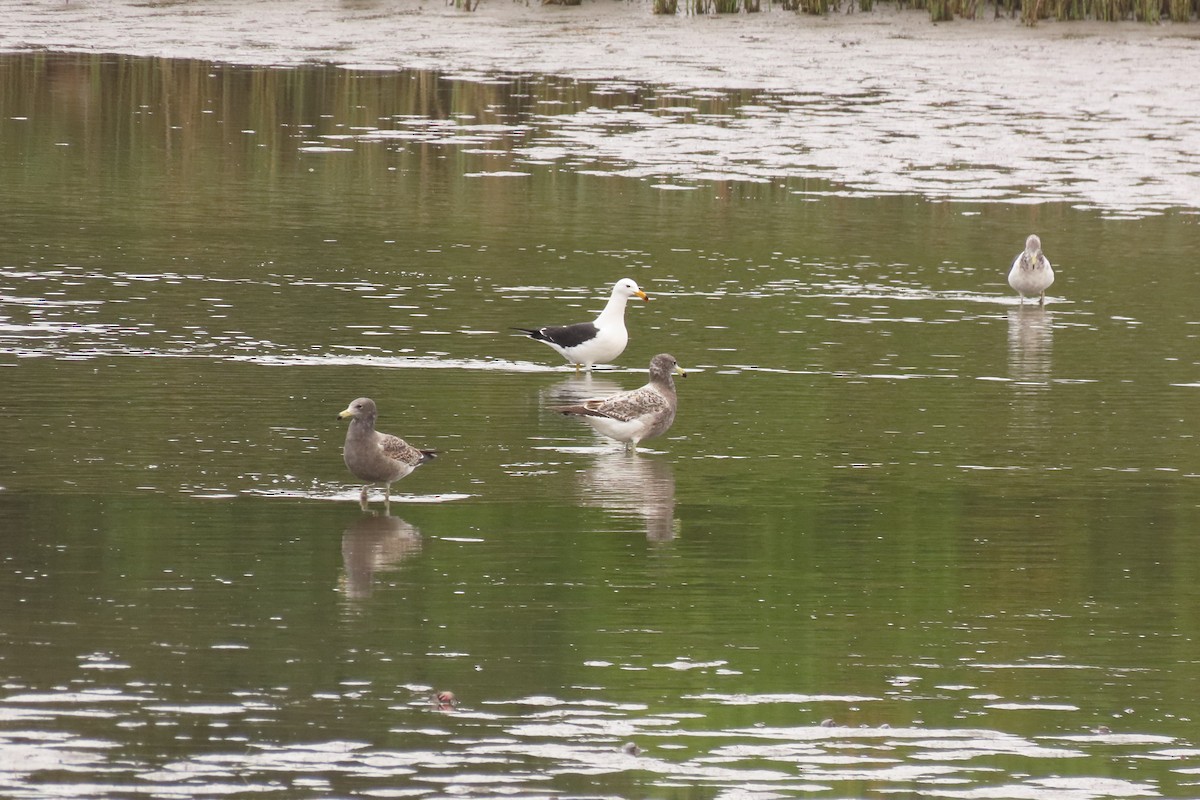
1147, 10
1033, 10
1179, 10
1030, 12
941, 10
1075, 9
946, 10
1065, 10
814, 6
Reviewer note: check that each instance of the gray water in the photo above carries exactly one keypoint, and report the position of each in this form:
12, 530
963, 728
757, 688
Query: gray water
905, 538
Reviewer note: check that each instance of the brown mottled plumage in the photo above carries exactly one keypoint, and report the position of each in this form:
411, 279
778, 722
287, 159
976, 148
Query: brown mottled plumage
377, 457
633, 416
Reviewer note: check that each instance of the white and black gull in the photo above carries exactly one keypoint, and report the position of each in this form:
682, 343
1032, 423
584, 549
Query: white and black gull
586, 344
377, 457
637, 415
1031, 273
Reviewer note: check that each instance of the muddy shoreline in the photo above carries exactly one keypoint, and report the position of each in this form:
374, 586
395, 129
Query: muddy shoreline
1097, 114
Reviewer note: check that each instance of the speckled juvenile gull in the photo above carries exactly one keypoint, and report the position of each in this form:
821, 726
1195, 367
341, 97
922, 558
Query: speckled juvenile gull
587, 343
1031, 273
377, 457
634, 416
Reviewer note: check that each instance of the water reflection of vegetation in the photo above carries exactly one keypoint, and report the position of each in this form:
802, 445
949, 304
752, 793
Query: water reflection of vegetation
201, 132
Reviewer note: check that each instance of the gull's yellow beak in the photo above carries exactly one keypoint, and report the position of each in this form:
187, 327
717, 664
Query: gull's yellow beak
349, 412
680, 371
643, 295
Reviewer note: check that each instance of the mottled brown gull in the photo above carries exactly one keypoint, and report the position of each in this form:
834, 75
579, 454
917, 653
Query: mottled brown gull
587, 343
640, 414
377, 457
1031, 273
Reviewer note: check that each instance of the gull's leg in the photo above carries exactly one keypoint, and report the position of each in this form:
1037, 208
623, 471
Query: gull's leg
1042, 299
362, 497
387, 499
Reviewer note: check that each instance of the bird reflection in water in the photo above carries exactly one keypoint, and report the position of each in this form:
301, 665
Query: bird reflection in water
635, 486
578, 388
1030, 345
373, 544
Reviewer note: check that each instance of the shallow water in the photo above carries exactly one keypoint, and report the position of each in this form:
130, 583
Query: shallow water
957, 529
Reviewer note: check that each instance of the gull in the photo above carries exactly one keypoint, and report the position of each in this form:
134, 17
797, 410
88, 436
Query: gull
640, 414
377, 457
587, 343
1031, 273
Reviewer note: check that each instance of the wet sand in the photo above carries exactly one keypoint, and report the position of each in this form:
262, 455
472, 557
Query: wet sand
1102, 115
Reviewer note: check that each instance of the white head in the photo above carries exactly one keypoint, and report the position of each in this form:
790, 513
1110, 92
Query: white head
1033, 244
627, 288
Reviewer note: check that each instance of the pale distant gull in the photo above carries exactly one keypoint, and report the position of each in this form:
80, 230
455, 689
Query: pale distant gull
631, 417
587, 343
1031, 273
377, 457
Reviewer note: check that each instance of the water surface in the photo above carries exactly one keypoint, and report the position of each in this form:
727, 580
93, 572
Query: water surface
906, 537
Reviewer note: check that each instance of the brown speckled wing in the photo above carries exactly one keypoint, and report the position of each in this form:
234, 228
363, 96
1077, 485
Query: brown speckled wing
399, 450
630, 405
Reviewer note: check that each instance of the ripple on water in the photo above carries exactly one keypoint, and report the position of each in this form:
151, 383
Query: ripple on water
535, 741
342, 495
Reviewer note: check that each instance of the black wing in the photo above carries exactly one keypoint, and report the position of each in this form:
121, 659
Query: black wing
563, 335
